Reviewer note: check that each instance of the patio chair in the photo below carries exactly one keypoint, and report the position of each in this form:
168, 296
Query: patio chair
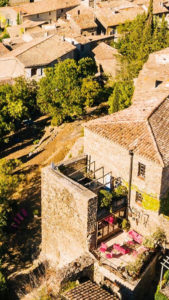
20, 217
103, 247
109, 220
14, 226
109, 255
24, 212
17, 221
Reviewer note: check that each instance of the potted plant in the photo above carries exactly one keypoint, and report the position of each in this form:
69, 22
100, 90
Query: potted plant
125, 225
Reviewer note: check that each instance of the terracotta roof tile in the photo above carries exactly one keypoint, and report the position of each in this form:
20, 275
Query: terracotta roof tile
104, 51
3, 50
38, 52
88, 290
45, 6
140, 127
109, 18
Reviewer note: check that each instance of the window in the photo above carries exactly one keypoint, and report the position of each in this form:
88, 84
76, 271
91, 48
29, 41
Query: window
139, 197
141, 170
158, 82
61, 10
50, 13
37, 15
33, 72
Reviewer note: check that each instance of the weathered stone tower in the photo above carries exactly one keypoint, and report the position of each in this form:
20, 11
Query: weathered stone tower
69, 212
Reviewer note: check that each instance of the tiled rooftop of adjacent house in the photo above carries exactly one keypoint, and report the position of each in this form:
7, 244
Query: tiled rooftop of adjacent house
139, 127
104, 51
83, 16
3, 50
37, 52
45, 6
88, 291
112, 17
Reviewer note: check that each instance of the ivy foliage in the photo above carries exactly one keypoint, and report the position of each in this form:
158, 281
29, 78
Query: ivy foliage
159, 295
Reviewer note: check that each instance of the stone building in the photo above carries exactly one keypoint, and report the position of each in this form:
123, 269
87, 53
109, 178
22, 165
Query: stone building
46, 10
106, 58
132, 144
82, 20
33, 57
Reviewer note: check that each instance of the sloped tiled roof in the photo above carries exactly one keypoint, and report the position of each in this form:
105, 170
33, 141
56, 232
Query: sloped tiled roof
83, 16
139, 127
86, 291
104, 51
155, 69
10, 67
3, 50
38, 52
108, 18
45, 6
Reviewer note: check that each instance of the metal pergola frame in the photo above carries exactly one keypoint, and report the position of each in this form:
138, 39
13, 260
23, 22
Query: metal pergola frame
165, 264
94, 180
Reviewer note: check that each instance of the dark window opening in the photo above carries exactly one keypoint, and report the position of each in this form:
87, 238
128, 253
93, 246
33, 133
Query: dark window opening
37, 15
50, 13
141, 170
139, 197
33, 72
157, 83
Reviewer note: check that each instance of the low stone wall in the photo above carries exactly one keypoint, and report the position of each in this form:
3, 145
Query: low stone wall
129, 290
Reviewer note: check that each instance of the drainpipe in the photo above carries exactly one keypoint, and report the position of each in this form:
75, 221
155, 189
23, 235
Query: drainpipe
131, 153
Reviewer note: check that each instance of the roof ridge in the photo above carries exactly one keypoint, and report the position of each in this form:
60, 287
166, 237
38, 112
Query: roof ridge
154, 141
35, 44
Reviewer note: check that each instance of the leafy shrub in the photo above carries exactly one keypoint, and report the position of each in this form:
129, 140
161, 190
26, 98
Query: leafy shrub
69, 286
125, 224
3, 285
105, 198
149, 242
35, 142
159, 236
121, 191
166, 276
160, 296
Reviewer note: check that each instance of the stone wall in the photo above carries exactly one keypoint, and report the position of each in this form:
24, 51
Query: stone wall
117, 159
68, 217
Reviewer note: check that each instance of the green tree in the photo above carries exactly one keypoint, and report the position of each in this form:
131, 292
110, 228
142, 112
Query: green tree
18, 101
90, 90
139, 38
86, 67
121, 96
67, 89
